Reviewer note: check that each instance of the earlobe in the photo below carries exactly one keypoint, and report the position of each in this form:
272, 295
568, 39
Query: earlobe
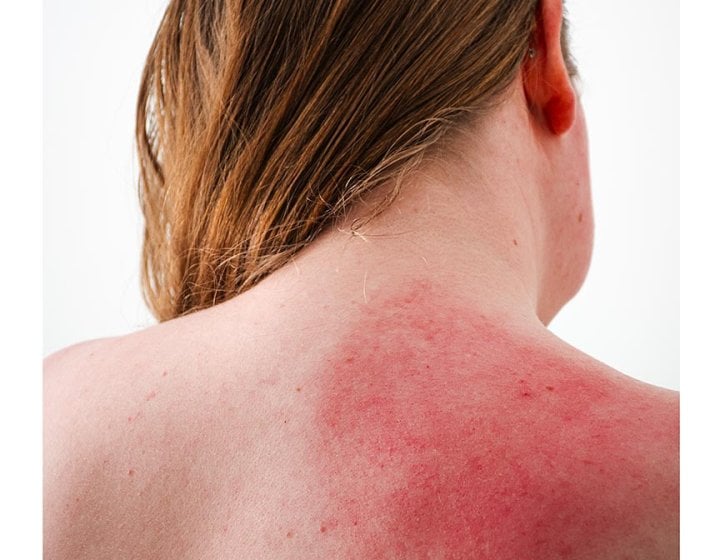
548, 88
560, 113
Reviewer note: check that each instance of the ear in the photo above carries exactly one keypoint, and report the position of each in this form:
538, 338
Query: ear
548, 87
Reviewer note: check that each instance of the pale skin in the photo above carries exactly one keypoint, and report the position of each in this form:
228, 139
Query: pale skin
389, 394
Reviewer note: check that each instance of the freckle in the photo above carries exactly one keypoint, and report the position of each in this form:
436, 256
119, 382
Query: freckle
164, 373
298, 389
580, 217
549, 387
150, 396
131, 472
515, 242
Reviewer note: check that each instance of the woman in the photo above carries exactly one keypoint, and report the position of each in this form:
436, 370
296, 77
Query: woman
360, 218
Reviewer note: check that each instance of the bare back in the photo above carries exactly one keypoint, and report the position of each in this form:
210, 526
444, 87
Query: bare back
414, 429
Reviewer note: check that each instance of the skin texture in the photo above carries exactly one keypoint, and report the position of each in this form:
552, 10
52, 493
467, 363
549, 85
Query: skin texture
392, 393
416, 427
442, 417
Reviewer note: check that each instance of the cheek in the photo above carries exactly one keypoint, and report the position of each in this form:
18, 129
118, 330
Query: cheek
584, 218
573, 245
583, 167
571, 225
583, 247
576, 224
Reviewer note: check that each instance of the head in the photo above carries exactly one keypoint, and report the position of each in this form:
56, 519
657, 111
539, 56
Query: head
260, 123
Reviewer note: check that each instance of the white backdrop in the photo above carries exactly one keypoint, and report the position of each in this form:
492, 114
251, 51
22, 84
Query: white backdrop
626, 314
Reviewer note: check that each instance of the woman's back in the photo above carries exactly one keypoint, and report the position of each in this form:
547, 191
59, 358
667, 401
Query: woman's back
411, 426
359, 221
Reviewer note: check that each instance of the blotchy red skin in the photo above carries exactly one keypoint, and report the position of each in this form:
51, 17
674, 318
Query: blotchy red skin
443, 435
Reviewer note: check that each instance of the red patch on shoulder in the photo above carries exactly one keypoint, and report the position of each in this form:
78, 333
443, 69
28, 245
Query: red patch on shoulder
439, 436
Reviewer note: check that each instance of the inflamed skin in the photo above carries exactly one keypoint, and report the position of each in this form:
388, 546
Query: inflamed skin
443, 434
411, 426
359, 216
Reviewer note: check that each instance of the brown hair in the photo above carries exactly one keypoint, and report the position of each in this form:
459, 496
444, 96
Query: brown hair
261, 121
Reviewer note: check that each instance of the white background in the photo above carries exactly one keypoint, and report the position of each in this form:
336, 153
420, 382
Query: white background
627, 313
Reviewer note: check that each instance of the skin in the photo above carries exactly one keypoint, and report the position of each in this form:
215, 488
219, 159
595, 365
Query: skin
392, 394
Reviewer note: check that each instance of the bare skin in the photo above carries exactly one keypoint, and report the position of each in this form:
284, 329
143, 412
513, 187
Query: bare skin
393, 394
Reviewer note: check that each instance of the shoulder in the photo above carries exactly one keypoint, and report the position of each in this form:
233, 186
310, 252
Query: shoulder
479, 441
62, 362
67, 437
81, 391
83, 381
71, 376
124, 421
145, 437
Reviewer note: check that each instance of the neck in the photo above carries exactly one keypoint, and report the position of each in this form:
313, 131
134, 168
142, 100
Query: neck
486, 256
476, 227
475, 240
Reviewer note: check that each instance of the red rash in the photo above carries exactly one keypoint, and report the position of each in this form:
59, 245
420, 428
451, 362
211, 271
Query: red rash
442, 436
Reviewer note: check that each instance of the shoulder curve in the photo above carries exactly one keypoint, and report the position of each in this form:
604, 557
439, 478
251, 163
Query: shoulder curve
69, 356
85, 386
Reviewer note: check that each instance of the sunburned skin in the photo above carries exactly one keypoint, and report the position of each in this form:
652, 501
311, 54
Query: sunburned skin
416, 429
442, 435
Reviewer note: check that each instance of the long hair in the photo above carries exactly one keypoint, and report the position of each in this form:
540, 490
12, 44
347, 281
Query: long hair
259, 122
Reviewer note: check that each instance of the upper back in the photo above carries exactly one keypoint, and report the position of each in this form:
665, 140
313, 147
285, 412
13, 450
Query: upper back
414, 430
